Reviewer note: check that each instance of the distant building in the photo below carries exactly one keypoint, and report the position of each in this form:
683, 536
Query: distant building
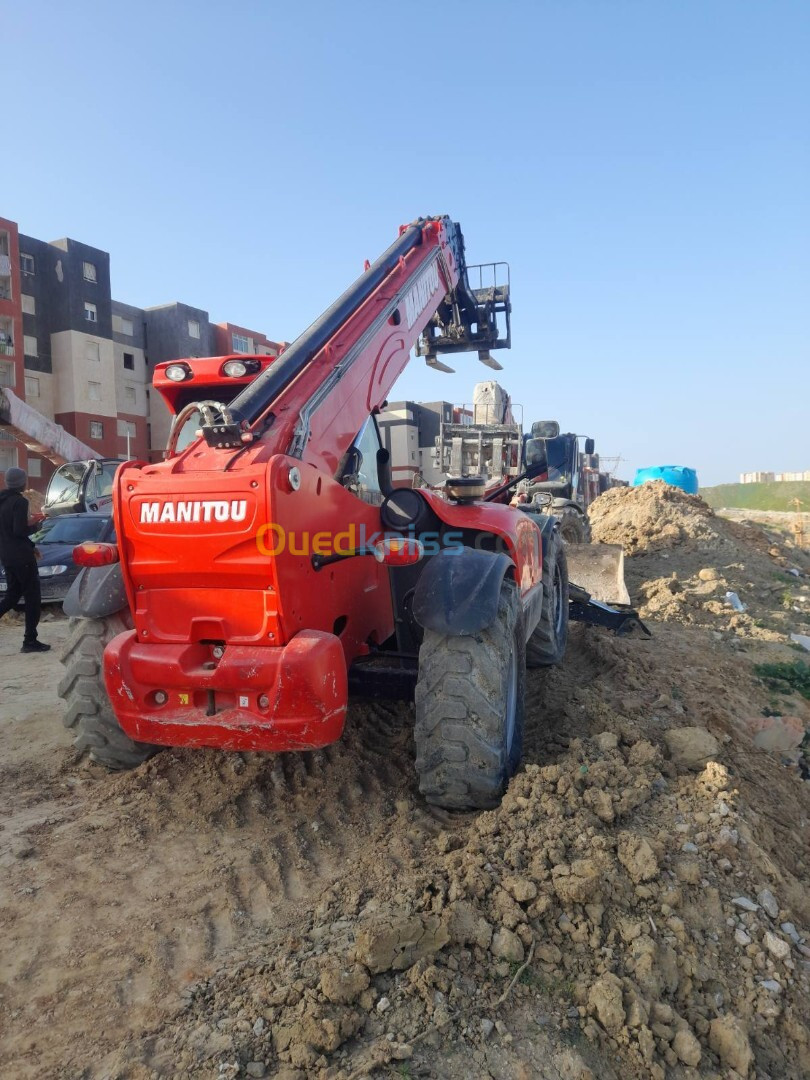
84, 359
773, 478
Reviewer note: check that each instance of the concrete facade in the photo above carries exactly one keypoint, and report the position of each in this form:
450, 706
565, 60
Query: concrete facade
85, 360
12, 371
408, 430
230, 338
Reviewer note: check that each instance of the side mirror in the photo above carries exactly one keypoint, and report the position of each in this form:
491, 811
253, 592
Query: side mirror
590, 446
545, 429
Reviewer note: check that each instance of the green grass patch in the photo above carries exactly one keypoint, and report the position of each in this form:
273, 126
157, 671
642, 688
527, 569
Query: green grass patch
786, 678
776, 496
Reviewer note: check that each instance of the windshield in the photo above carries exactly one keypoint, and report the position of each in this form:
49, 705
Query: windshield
65, 483
76, 530
558, 454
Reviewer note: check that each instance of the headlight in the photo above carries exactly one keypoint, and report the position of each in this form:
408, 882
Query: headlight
178, 372
51, 571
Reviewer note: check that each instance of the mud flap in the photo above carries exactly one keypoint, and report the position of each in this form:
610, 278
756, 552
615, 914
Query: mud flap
598, 569
97, 592
458, 591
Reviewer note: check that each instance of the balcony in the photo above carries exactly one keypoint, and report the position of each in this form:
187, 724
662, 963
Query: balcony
6, 340
5, 277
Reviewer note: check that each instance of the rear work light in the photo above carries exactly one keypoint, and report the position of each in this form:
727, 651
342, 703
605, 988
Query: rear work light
400, 551
178, 372
235, 369
88, 554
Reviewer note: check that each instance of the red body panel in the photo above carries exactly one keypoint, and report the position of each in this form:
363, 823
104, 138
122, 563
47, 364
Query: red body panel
304, 683
204, 566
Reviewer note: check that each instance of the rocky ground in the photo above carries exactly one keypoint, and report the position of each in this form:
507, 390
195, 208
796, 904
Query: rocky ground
637, 907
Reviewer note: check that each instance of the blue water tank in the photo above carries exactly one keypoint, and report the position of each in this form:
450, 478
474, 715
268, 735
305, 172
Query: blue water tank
678, 475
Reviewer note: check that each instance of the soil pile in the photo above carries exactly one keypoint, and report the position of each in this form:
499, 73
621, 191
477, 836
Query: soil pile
687, 560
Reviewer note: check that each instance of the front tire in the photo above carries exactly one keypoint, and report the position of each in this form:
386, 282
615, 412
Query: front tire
574, 525
87, 708
546, 644
470, 710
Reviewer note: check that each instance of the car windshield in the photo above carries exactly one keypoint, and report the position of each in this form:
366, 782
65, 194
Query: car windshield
76, 530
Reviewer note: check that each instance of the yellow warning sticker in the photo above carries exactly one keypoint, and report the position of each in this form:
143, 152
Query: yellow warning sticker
183, 699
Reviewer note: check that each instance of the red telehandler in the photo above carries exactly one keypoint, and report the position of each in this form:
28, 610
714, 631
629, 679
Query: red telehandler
268, 565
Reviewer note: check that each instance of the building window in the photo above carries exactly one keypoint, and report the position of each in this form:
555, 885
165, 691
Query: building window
129, 395
29, 305
90, 312
92, 350
127, 327
96, 428
31, 386
6, 340
94, 391
194, 328
27, 265
30, 345
89, 271
129, 361
240, 343
127, 427
7, 374
34, 467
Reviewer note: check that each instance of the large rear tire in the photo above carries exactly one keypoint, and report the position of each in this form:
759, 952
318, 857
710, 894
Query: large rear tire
546, 644
470, 710
87, 708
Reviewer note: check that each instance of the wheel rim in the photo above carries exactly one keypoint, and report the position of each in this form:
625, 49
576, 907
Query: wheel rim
511, 701
558, 605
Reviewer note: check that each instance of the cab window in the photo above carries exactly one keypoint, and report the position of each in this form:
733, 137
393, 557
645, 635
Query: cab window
366, 482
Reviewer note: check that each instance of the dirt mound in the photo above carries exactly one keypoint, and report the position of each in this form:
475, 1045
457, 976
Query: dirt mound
687, 560
652, 517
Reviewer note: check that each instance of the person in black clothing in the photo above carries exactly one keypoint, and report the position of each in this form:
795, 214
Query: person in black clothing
17, 557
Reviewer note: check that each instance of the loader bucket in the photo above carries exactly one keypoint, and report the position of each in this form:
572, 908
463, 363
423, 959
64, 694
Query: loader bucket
599, 570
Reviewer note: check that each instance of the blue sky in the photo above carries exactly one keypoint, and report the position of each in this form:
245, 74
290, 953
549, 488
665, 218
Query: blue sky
643, 165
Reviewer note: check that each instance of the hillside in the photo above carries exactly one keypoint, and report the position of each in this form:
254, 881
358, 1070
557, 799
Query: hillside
759, 496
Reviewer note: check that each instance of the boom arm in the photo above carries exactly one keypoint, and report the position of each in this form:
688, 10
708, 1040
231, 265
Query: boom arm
415, 293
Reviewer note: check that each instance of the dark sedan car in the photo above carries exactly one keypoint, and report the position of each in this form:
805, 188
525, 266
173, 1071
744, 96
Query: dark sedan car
57, 570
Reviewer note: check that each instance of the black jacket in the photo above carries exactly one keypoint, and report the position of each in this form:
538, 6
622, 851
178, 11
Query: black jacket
15, 546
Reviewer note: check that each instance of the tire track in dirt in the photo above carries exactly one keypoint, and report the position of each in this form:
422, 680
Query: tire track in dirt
148, 881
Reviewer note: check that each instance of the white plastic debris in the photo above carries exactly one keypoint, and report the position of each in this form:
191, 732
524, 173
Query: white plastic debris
801, 639
734, 601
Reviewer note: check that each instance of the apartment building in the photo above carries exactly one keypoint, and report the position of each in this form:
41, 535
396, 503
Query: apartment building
409, 430
773, 477
84, 359
12, 371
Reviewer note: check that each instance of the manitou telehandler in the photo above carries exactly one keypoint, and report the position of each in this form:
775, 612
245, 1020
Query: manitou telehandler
267, 565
